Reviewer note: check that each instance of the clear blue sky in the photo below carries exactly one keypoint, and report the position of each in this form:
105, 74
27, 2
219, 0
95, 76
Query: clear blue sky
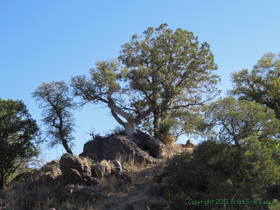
48, 40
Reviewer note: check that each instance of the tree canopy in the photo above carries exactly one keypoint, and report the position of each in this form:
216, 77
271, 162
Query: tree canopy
165, 72
169, 71
104, 87
56, 103
239, 160
262, 84
19, 137
223, 172
231, 121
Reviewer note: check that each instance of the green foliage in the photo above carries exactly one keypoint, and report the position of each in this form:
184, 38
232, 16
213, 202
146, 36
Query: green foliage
19, 137
239, 161
168, 71
104, 82
231, 121
262, 84
56, 103
223, 171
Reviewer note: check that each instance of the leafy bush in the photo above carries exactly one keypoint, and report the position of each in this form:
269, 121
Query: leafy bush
223, 171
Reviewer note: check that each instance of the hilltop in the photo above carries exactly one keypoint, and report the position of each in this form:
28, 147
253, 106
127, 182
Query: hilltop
125, 175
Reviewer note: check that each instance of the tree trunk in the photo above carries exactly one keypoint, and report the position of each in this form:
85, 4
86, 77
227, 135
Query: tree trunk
156, 120
129, 129
129, 125
66, 146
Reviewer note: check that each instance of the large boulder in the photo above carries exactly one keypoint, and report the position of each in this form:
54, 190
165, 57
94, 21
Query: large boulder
115, 147
156, 148
75, 170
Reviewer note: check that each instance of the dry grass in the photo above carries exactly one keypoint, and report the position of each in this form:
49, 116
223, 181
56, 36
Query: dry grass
108, 164
108, 184
111, 193
167, 139
130, 163
139, 192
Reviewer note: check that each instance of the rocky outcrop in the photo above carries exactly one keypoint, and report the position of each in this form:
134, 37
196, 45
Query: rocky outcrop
49, 173
116, 147
100, 170
79, 194
189, 144
75, 170
123, 177
113, 147
155, 147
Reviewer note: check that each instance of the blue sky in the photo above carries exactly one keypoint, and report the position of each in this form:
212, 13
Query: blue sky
48, 40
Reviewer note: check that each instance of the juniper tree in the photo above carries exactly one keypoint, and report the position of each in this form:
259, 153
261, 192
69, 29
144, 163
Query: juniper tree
262, 84
169, 71
19, 137
164, 74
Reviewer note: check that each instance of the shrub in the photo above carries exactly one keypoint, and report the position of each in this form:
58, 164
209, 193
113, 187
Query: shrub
222, 171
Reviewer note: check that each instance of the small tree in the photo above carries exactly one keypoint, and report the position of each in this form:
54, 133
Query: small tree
19, 137
56, 103
262, 84
231, 121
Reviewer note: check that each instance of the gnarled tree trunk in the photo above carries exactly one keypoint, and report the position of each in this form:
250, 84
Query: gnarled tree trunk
132, 121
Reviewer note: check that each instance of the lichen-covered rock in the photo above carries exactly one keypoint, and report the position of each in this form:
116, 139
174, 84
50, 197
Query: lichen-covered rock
75, 170
115, 147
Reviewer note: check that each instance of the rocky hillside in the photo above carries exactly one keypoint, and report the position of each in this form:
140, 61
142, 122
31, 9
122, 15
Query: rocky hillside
114, 172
